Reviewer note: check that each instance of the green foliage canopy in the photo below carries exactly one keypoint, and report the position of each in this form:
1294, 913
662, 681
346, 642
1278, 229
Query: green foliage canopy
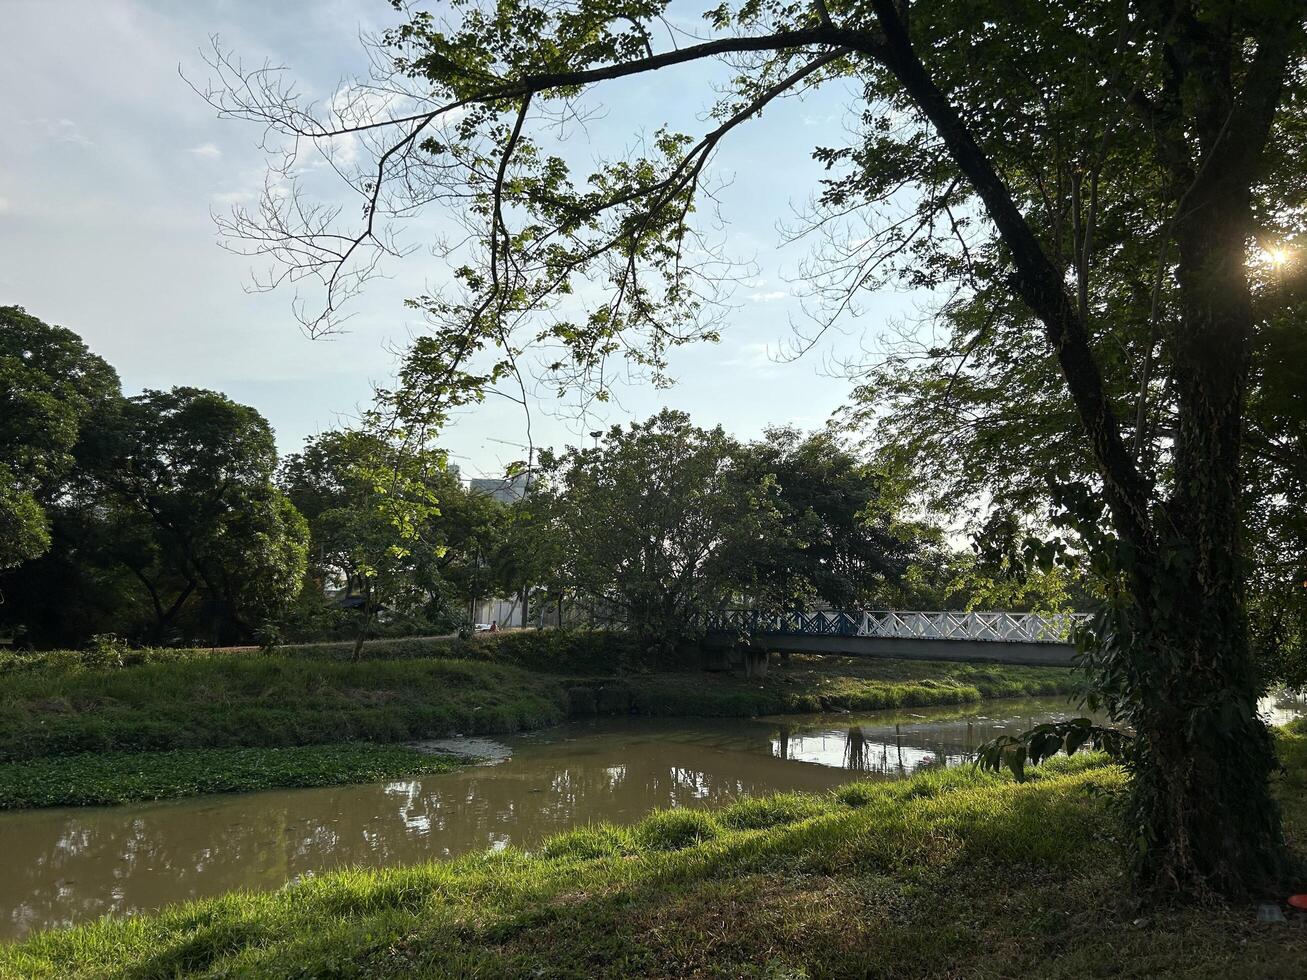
184, 478
49, 385
369, 500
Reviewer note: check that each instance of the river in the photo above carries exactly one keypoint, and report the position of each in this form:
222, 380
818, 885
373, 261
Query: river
72, 865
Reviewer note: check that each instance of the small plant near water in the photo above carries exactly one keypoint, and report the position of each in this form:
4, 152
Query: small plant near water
760, 812
1044, 741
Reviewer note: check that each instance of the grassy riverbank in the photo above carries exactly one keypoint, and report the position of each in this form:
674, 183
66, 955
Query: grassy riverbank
58, 709
258, 701
66, 705
815, 684
102, 778
950, 873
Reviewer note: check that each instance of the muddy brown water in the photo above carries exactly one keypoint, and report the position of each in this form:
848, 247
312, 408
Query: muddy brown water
65, 866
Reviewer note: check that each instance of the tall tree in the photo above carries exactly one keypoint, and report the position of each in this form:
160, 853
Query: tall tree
1052, 124
368, 499
183, 480
838, 538
49, 384
659, 520
472, 528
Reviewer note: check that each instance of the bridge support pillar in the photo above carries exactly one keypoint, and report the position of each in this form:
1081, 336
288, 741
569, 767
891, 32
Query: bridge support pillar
756, 660
717, 658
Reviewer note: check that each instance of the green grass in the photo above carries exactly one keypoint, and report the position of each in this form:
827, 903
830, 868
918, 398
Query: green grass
102, 778
264, 701
952, 873
571, 651
816, 684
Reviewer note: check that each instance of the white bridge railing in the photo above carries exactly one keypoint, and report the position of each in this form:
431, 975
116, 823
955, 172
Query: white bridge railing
997, 627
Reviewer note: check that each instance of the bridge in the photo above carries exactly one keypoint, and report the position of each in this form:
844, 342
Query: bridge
1030, 639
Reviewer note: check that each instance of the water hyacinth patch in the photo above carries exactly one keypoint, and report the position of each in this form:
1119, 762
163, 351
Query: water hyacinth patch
102, 778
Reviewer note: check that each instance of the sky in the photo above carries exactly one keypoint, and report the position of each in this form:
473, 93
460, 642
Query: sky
111, 167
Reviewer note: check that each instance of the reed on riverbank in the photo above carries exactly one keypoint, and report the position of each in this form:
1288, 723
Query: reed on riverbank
948, 873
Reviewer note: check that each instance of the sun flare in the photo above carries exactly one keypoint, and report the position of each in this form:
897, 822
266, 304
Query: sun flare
1277, 256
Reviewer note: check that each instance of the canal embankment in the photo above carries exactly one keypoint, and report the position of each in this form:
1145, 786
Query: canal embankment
77, 729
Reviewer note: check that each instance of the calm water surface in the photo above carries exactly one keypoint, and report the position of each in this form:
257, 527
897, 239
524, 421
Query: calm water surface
71, 865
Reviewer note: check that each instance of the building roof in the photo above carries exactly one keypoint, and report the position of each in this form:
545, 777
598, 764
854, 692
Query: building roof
507, 490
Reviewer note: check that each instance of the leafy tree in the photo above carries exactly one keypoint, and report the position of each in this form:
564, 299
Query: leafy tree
368, 499
1045, 161
49, 384
472, 529
658, 520
838, 538
532, 561
182, 483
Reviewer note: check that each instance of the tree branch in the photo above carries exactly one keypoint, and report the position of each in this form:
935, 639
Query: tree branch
1037, 281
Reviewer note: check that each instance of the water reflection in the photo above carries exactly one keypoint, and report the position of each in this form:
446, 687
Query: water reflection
70, 865
899, 745
65, 866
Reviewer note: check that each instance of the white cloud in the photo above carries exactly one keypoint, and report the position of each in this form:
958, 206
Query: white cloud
4, 204
228, 198
57, 130
205, 150
768, 297
755, 359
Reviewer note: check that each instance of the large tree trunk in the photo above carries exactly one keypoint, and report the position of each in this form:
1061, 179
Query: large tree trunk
1200, 797
1201, 792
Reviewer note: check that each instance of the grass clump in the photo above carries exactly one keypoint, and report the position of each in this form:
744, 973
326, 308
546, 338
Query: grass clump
672, 830
589, 843
955, 873
103, 778
760, 812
